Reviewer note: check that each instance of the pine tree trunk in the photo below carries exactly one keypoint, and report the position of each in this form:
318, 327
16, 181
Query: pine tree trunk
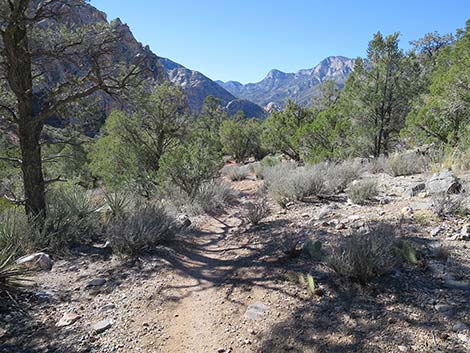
33, 179
17, 55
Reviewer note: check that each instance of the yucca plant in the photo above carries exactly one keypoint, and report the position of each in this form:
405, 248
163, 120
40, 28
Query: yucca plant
11, 276
118, 203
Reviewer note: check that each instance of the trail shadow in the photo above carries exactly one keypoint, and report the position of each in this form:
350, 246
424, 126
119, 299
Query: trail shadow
24, 333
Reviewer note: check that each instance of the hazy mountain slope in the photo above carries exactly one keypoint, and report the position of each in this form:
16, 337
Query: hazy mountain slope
195, 85
278, 86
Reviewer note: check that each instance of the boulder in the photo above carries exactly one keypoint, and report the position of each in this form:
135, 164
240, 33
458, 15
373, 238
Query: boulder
36, 262
443, 182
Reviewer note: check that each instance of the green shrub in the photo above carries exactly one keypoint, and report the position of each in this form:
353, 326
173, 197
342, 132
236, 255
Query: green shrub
362, 257
240, 137
362, 191
190, 165
118, 203
140, 231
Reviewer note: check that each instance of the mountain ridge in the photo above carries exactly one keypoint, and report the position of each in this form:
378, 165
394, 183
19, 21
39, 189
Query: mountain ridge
278, 86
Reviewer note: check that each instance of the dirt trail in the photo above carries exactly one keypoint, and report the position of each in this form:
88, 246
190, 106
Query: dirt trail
197, 321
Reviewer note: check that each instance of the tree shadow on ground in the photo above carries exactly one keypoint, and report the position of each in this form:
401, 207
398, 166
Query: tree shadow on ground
25, 333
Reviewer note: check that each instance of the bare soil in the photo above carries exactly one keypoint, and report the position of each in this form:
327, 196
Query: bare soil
225, 286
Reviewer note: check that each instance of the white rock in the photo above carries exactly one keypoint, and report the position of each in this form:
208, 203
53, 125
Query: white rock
68, 319
37, 261
101, 326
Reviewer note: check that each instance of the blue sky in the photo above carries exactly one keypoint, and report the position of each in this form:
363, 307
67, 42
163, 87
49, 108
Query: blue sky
243, 39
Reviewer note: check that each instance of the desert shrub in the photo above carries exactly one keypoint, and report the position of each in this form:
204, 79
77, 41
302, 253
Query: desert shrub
362, 191
5, 204
11, 276
377, 165
236, 172
407, 164
140, 231
286, 182
361, 257
339, 176
214, 195
456, 159
256, 211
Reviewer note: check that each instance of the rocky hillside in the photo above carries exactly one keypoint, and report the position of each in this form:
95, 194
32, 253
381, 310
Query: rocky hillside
278, 86
198, 87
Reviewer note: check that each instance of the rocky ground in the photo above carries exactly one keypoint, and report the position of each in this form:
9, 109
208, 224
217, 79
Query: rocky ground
225, 286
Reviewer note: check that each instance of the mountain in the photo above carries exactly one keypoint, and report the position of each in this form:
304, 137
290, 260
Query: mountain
278, 86
197, 87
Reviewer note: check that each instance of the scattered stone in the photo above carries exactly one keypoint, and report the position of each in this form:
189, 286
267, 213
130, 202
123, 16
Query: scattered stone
407, 211
97, 282
183, 221
108, 307
254, 311
68, 319
37, 262
340, 226
443, 182
465, 230
101, 326
436, 231
44, 296
221, 350
416, 189
3, 332
402, 348
305, 215
459, 326
453, 284
442, 308
282, 212
324, 211
384, 200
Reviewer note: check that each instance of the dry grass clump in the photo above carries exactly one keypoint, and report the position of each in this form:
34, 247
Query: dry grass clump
408, 163
362, 191
236, 172
213, 196
140, 230
361, 257
256, 211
